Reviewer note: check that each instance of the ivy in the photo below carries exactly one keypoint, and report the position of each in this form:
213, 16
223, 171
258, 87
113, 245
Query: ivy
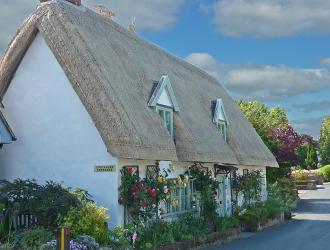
249, 185
206, 188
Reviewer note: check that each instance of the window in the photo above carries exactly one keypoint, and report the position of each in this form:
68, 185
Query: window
220, 117
183, 197
222, 129
166, 115
245, 172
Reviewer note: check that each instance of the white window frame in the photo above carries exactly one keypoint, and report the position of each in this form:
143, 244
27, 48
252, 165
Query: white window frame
185, 196
166, 109
223, 130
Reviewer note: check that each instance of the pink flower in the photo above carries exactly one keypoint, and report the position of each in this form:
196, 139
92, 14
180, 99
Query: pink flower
154, 206
134, 237
165, 190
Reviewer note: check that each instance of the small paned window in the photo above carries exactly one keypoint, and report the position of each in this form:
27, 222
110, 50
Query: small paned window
245, 171
166, 115
220, 117
222, 129
182, 200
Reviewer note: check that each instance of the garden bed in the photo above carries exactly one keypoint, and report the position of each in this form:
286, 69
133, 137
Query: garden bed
306, 185
205, 241
247, 227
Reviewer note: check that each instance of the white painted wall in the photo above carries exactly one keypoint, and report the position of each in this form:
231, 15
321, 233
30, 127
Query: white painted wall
57, 139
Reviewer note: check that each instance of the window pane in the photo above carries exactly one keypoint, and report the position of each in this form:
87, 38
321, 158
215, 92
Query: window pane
184, 197
168, 121
161, 113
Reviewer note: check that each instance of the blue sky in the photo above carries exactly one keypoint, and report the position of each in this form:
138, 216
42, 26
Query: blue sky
274, 51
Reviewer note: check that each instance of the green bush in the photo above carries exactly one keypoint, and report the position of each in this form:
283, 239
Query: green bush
223, 223
325, 171
120, 237
6, 247
34, 239
47, 202
259, 213
283, 192
89, 220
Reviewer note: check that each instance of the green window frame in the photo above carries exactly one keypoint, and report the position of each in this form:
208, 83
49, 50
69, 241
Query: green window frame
166, 115
185, 198
222, 126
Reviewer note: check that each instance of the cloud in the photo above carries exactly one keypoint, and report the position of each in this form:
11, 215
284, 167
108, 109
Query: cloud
271, 18
325, 62
309, 126
155, 15
313, 106
262, 82
12, 14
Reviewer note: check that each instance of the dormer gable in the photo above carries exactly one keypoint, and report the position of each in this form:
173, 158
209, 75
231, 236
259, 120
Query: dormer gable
163, 94
220, 117
219, 113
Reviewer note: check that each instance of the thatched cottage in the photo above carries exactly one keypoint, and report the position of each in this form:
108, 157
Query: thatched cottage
85, 98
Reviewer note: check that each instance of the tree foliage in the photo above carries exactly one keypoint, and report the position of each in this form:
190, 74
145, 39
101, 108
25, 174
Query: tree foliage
283, 141
325, 141
263, 119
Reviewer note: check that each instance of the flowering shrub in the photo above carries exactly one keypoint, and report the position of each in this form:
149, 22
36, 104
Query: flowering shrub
142, 196
50, 245
88, 220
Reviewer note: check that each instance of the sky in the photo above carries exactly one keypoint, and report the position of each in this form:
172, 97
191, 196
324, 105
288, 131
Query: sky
273, 51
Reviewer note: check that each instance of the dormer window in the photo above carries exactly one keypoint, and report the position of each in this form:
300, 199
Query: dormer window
164, 101
220, 118
166, 114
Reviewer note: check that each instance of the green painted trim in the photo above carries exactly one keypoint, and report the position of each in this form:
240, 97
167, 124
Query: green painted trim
225, 128
163, 108
220, 107
164, 82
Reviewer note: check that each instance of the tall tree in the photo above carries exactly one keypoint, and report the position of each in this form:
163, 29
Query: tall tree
311, 160
263, 119
324, 143
273, 127
308, 146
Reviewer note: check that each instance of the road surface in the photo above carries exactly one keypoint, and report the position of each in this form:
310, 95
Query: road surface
308, 230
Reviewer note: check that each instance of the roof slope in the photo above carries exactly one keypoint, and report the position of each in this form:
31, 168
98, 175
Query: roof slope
113, 72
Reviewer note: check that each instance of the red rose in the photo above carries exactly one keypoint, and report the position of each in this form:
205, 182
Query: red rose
129, 170
153, 193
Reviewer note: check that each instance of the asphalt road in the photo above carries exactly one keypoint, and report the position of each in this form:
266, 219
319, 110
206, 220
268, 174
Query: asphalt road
308, 230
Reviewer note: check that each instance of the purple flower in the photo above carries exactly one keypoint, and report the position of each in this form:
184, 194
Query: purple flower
73, 245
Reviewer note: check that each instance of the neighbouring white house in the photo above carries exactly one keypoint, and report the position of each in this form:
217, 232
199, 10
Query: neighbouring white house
86, 97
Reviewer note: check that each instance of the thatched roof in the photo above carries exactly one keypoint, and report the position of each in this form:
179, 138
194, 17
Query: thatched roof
113, 72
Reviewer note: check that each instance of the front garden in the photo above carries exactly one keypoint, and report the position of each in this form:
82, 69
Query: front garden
32, 212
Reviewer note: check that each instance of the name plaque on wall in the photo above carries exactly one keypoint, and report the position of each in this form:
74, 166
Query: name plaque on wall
106, 168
